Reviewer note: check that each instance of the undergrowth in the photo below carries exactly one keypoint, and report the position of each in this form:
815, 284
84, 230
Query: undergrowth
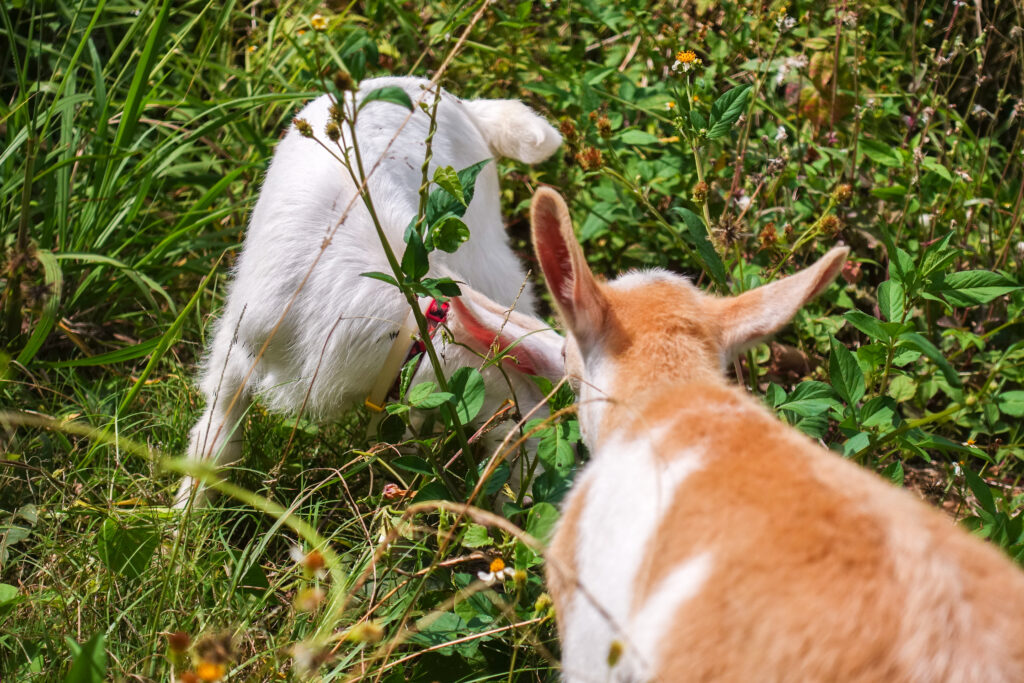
734, 143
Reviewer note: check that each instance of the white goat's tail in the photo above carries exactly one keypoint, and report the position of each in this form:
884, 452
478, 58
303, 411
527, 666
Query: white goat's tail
513, 130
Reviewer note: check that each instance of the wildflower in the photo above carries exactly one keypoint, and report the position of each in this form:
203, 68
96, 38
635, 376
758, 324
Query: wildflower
830, 224
210, 672
392, 492
964, 175
318, 22
928, 23
851, 272
789, 64
365, 632
686, 60
312, 563
743, 201
780, 134
670, 105
252, 48
785, 23
543, 603
970, 442
498, 572
958, 468
309, 599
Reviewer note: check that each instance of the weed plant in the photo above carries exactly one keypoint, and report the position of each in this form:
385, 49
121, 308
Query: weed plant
732, 142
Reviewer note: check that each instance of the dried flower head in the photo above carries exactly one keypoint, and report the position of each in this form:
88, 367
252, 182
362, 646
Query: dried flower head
768, 237
178, 641
830, 224
590, 159
343, 81
332, 131
700, 192
393, 492
302, 125
568, 130
842, 193
604, 127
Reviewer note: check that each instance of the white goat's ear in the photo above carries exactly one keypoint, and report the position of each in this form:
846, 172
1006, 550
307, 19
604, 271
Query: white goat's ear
576, 292
530, 345
752, 316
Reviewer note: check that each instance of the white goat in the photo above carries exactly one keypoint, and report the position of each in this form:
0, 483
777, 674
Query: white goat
707, 541
337, 326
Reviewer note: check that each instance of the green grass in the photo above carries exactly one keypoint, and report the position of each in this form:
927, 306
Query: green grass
133, 137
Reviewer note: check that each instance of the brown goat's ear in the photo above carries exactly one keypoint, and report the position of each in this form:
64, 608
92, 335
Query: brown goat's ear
576, 292
530, 345
752, 316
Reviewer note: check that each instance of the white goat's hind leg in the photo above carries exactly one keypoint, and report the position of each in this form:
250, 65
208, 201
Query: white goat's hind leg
217, 437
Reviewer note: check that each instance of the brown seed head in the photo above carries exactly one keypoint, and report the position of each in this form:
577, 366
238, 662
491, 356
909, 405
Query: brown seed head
302, 125
178, 641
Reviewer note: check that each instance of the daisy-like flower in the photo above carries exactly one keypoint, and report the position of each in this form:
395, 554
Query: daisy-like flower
318, 22
210, 672
686, 60
498, 572
670, 105
312, 563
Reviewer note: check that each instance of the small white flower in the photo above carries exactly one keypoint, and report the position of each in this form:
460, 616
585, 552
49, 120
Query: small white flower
780, 134
743, 201
498, 572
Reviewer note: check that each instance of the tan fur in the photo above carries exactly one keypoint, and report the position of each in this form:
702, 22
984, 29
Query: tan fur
821, 571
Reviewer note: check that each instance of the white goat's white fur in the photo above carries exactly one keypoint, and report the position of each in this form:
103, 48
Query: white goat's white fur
340, 325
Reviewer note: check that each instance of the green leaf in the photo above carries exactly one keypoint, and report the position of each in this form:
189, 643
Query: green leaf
383, 277
391, 93
845, 374
891, 300
415, 261
697, 120
468, 387
440, 288
869, 325
638, 137
880, 153
1011, 403
927, 348
476, 536
424, 397
449, 233
126, 550
448, 180
435, 490
726, 110
706, 253
972, 287
88, 661
414, 464
441, 203
894, 472
809, 399
980, 490
540, 523
932, 164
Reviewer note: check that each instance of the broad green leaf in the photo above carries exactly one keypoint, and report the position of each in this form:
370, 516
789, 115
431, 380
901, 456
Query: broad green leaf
391, 93
726, 110
637, 137
414, 464
540, 523
932, 164
845, 374
1011, 403
927, 348
869, 325
891, 300
126, 550
880, 152
468, 387
448, 234
980, 490
497, 478
415, 261
88, 661
434, 490
972, 287
425, 396
441, 203
440, 288
894, 472
809, 399
476, 536
698, 235
698, 121
448, 180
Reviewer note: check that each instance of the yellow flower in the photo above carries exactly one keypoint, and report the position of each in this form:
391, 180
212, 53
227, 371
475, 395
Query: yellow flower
210, 672
969, 442
318, 21
686, 56
498, 572
252, 48
670, 105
